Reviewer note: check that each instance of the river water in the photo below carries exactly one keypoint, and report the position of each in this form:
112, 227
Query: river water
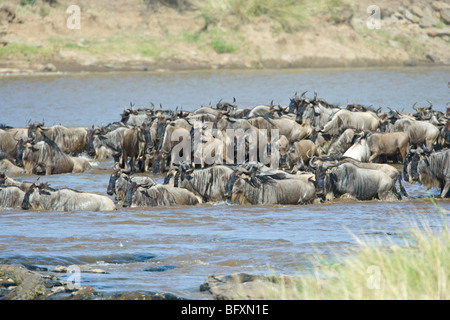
174, 249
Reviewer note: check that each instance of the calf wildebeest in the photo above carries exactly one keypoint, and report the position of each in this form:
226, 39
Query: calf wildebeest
45, 157
11, 196
158, 195
431, 169
283, 146
388, 144
134, 143
245, 188
300, 153
70, 140
119, 181
40, 196
359, 183
208, 183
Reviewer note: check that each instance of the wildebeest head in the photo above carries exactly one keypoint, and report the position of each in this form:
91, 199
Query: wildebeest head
35, 196
160, 131
321, 175
35, 130
19, 152
184, 172
298, 105
246, 173
423, 113
131, 189
90, 136
2, 178
147, 137
112, 182
230, 184
410, 165
226, 106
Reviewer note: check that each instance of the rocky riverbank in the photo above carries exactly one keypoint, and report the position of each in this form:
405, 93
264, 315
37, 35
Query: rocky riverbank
163, 35
18, 282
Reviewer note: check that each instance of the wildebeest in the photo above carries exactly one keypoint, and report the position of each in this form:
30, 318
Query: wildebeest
419, 132
359, 183
158, 195
390, 170
341, 143
388, 144
40, 196
45, 157
119, 181
434, 171
5, 180
7, 143
352, 119
208, 183
300, 153
102, 143
71, 141
11, 197
431, 169
8, 164
134, 143
137, 117
360, 149
258, 189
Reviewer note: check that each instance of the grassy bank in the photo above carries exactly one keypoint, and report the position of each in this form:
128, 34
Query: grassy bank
418, 269
187, 34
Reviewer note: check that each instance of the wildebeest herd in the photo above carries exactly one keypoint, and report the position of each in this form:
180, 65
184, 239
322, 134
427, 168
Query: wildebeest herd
313, 151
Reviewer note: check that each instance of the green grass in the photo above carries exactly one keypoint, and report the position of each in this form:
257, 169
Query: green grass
220, 46
418, 269
27, 51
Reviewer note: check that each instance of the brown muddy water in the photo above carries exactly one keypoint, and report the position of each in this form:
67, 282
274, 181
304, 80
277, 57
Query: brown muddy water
174, 249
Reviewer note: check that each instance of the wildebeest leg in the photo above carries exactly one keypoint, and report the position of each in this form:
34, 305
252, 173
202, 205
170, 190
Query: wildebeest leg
396, 193
402, 189
132, 164
373, 156
48, 170
124, 159
445, 190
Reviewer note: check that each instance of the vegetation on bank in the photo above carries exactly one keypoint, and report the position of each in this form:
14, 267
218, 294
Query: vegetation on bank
220, 33
417, 269
251, 33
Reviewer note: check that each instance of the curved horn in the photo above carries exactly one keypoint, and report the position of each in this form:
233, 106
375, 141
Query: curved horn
414, 106
311, 163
